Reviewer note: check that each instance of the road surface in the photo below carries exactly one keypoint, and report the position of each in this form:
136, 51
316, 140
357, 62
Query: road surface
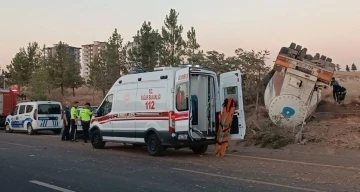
43, 163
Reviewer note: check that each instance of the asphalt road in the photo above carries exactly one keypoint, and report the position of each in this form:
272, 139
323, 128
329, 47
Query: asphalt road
43, 163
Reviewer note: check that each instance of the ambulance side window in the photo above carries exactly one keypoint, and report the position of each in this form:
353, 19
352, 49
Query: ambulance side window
182, 97
106, 106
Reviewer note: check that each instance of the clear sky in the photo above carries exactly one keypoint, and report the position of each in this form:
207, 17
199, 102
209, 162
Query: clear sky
330, 27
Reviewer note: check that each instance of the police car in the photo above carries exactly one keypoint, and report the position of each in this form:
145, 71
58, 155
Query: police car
35, 116
170, 107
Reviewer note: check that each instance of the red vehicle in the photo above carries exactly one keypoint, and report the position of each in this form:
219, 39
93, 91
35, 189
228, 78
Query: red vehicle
7, 103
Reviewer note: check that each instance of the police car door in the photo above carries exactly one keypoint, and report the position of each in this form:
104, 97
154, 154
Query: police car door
182, 101
230, 87
49, 115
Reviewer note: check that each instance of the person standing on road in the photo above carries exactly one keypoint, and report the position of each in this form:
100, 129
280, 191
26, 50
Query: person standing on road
334, 83
66, 116
73, 121
85, 117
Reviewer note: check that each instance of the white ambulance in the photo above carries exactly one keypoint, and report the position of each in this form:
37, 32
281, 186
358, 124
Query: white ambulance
35, 116
170, 107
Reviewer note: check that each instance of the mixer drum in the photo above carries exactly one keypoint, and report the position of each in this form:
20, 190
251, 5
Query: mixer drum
287, 110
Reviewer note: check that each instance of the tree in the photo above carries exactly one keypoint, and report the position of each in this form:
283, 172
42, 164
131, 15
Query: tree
144, 53
337, 66
353, 67
347, 68
172, 42
38, 81
23, 64
73, 79
194, 55
215, 61
109, 65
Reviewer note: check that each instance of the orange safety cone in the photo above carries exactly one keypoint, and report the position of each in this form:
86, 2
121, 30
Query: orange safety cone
226, 119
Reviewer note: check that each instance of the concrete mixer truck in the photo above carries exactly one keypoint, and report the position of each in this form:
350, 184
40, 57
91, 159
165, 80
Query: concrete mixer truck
295, 89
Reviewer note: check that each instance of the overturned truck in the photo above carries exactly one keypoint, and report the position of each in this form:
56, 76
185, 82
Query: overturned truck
296, 87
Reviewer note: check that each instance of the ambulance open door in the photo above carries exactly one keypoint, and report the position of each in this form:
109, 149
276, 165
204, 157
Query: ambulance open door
231, 87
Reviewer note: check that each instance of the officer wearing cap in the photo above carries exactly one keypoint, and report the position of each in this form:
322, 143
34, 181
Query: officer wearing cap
85, 117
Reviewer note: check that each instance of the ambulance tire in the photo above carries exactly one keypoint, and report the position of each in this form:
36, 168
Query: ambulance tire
200, 149
30, 129
96, 140
7, 128
154, 146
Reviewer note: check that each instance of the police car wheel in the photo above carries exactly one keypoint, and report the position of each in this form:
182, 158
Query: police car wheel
200, 149
154, 146
7, 128
96, 140
30, 130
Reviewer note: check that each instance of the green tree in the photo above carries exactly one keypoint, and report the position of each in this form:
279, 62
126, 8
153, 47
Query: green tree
173, 43
215, 61
98, 69
347, 68
194, 55
38, 81
144, 53
353, 67
109, 65
73, 79
23, 64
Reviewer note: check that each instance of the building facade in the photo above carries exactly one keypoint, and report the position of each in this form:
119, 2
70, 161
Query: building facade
89, 51
75, 51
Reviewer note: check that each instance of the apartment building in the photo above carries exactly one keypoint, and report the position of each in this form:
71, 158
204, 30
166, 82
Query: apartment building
75, 51
89, 51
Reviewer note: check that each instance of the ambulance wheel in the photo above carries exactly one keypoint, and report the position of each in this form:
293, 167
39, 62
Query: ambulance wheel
154, 146
57, 132
30, 129
7, 128
96, 140
200, 149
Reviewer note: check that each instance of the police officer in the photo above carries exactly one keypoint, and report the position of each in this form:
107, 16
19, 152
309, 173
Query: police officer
66, 116
85, 117
73, 120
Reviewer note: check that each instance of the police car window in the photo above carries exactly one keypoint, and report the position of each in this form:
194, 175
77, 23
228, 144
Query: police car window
182, 97
49, 109
22, 109
29, 108
15, 112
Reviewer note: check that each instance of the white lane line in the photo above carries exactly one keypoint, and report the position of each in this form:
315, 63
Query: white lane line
17, 144
249, 180
50, 186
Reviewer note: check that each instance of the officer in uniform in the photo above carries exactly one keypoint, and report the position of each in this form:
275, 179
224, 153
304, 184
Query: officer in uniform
85, 117
66, 116
73, 120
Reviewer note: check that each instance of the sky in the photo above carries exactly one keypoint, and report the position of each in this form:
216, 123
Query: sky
330, 27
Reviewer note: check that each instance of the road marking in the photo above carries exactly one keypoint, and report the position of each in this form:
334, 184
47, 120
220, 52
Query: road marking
249, 180
50, 186
296, 162
17, 144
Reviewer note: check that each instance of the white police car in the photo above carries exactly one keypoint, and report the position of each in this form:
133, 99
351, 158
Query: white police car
35, 116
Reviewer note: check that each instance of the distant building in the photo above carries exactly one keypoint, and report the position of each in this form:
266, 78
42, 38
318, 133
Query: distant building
75, 51
89, 51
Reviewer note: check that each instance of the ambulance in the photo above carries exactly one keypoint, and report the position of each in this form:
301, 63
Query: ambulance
170, 107
35, 116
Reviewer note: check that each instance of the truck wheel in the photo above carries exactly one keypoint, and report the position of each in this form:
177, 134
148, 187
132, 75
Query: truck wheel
57, 132
8, 129
30, 129
96, 140
200, 149
154, 146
